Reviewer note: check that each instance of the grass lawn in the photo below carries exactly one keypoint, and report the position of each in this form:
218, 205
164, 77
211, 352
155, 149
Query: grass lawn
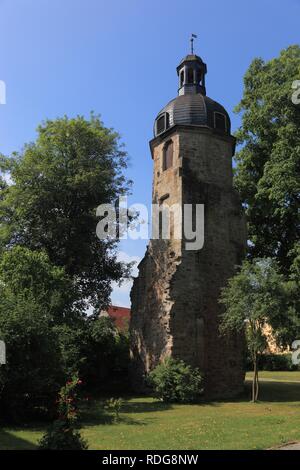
148, 424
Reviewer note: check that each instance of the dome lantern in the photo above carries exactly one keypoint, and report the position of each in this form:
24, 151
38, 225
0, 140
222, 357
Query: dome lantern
191, 72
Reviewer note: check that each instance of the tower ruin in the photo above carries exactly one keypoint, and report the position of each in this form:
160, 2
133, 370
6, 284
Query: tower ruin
175, 309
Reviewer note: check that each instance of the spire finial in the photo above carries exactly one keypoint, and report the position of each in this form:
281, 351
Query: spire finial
193, 36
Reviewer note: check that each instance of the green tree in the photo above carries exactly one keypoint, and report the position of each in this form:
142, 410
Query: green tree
57, 183
254, 297
288, 326
95, 348
106, 353
32, 375
31, 274
268, 163
73, 340
34, 295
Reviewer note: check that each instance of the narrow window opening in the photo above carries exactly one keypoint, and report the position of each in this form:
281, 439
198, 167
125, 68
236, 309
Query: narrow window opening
168, 155
220, 121
167, 120
181, 77
160, 124
199, 77
190, 75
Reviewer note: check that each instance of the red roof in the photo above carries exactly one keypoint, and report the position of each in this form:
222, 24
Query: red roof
120, 315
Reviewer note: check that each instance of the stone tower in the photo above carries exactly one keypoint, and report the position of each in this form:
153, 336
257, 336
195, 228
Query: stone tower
175, 309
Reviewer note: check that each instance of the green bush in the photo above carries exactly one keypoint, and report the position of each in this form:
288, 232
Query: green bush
175, 381
62, 437
277, 362
273, 362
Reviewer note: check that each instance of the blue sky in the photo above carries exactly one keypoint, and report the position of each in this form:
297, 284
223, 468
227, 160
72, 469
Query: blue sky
119, 59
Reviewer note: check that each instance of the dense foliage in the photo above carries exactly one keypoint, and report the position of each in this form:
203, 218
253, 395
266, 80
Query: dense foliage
267, 177
273, 362
97, 350
107, 351
32, 274
41, 354
31, 378
57, 182
254, 298
53, 266
175, 381
268, 162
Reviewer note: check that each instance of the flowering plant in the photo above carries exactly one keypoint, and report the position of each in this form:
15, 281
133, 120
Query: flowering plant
64, 434
68, 401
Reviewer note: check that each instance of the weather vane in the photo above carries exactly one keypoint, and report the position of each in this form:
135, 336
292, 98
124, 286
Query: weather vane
193, 36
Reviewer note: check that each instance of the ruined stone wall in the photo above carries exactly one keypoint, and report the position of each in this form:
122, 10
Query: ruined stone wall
151, 339
175, 309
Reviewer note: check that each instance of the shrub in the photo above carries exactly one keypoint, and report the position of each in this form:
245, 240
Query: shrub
64, 432
175, 381
62, 437
271, 362
277, 362
114, 405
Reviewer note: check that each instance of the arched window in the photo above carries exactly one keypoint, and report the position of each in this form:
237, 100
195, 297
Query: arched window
190, 77
168, 155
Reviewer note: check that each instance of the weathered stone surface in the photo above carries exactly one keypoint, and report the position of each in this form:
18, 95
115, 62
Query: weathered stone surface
175, 309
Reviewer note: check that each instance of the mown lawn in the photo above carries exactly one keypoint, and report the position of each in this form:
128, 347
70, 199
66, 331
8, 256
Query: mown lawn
148, 424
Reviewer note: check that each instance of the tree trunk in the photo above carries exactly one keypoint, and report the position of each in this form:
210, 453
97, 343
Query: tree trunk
255, 379
257, 383
257, 386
